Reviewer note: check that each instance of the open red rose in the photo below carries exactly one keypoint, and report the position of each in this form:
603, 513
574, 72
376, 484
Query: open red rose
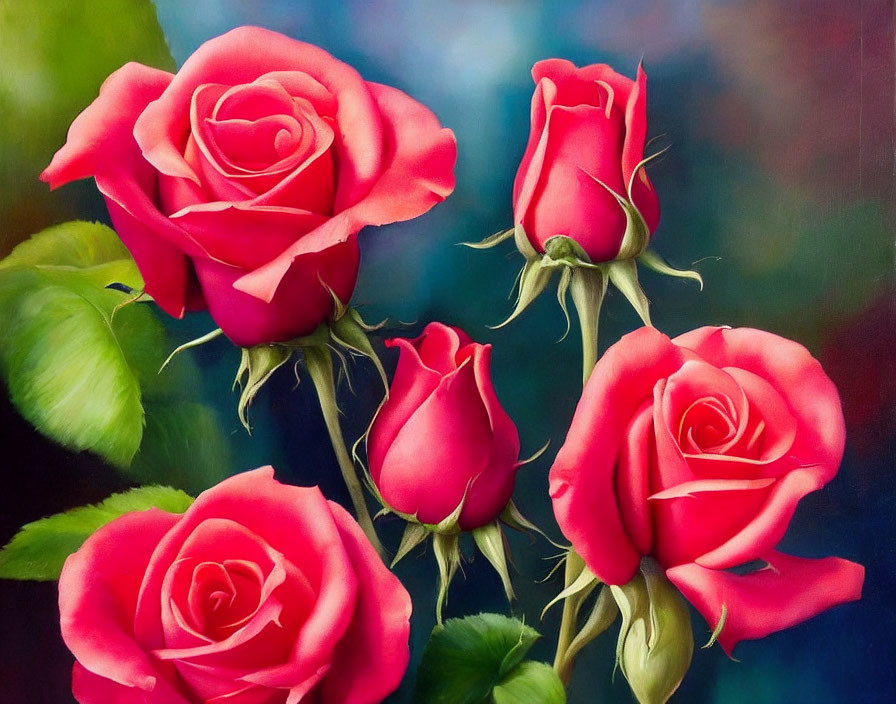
442, 436
241, 182
260, 593
696, 451
586, 139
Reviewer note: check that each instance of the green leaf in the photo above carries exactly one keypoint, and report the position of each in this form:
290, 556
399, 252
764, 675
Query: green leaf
531, 683
76, 244
71, 367
39, 549
467, 657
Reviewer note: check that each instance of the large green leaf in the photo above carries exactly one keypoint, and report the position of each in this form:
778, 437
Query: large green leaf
56, 54
39, 549
466, 657
82, 363
66, 360
530, 683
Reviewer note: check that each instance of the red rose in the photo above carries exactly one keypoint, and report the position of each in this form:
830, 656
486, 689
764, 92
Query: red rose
260, 592
241, 182
442, 435
587, 136
696, 451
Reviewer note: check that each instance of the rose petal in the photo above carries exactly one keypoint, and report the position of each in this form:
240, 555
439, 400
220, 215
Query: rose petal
768, 525
98, 136
798, 378
373, 656
201, 153
418, 161
632, 488
100, 143
243, 55
98, 597
538, 117
491, 490
696, 517
243, 235
294, 521
582, 478
790, 591
438, 347
528, 175
299, 83
412, 384
580, 150
168, 275
301, 304
643, 195
779, 427
88, 688
700, 392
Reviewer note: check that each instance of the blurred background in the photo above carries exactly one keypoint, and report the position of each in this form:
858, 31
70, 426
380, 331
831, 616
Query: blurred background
778, 187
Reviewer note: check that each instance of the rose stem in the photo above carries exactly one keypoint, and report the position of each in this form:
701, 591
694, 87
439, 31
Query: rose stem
320, 369
571, 604
587, 301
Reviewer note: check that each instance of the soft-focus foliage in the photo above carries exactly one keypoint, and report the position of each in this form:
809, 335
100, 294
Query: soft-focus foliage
56, 53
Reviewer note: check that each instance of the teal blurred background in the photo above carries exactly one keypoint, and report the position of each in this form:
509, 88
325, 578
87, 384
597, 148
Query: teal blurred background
778, 187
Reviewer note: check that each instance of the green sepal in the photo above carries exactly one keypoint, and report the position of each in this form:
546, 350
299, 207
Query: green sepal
414, 534
601, 617
656, 642
563, 251
39, 549
512, 517
350, 332
523, 245
532, 281
466, 658
624, 276
562, 289
717, 631
588, 288
579, 588
530, 683
208, 337
655, 262
257, 364
490, 241
447, 551
491, 543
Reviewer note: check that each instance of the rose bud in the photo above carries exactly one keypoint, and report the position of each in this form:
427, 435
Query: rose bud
696, 451
443, 453
240, 183
442, 438
259, 592
583, 205
582, 173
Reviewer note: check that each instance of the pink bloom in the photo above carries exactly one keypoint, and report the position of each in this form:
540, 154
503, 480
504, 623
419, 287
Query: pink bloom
260, 592
241, 183
696, 451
